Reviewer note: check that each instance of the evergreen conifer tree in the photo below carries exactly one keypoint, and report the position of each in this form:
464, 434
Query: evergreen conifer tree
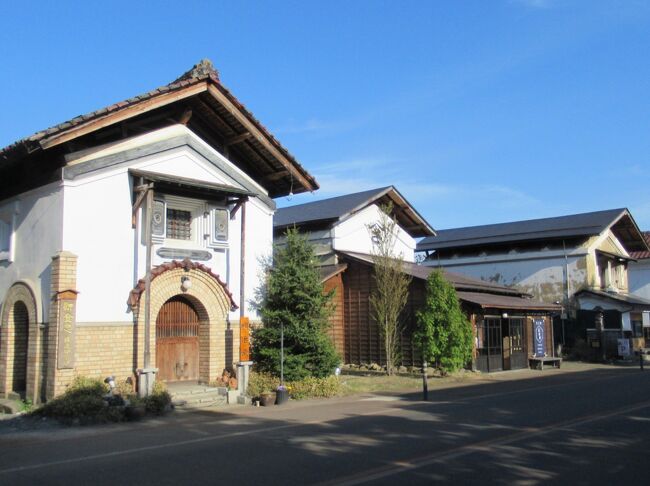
294, 299
443, 332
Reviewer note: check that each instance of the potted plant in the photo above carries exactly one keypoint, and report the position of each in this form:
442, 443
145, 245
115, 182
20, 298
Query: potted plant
267, 398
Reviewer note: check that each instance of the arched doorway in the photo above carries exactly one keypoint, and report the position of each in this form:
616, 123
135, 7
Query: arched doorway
21, 343
210, 299
177, 340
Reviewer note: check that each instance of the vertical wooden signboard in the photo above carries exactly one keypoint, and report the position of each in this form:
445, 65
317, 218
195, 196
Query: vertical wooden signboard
244, 339
67, 302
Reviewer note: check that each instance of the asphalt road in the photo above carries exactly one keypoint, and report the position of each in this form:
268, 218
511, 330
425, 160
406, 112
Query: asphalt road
590, 427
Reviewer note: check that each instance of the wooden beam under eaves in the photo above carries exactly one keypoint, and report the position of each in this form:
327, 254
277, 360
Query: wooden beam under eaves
259, 136
123, 114
276, 176
237, 139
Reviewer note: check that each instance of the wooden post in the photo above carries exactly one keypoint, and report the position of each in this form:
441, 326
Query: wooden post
242, 264
425, 382
147, 282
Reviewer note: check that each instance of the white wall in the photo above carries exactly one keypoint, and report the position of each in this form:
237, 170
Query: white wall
542, 277
37, 238
97, 222
638, 274
352, 234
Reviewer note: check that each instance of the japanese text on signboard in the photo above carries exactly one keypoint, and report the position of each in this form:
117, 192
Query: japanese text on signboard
538, 337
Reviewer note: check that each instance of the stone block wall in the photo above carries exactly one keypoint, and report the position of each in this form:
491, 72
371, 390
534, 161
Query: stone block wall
63, 278
105, 349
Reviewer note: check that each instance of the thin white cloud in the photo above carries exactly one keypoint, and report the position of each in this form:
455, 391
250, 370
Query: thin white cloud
318, 126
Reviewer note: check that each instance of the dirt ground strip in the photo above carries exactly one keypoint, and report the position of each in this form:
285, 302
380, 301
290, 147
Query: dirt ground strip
358, 386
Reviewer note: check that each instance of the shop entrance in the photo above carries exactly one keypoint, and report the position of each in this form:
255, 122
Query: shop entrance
501, 344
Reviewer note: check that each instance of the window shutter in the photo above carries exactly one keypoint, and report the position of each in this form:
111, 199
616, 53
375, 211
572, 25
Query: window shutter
158, 218
5, 236
221, 225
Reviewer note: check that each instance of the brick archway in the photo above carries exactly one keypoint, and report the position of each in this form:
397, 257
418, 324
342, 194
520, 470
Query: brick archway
212, 301
20, 343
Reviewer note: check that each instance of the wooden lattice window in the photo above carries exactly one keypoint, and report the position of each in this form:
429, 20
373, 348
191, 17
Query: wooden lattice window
179, 224
176, 319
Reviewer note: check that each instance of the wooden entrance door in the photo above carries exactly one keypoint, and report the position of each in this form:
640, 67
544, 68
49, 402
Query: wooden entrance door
489, 345
177, 341
518, 357
21, 344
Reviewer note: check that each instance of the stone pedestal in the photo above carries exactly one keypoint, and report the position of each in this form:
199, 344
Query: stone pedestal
146, 379
243, 374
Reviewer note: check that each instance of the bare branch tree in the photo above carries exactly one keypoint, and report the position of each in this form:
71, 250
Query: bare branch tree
389, 297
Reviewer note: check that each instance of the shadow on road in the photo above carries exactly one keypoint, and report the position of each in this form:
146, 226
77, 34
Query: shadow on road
585, 427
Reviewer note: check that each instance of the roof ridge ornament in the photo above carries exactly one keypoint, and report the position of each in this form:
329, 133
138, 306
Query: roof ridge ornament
203, 69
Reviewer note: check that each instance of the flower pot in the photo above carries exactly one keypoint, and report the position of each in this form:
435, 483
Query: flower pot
267, 399
281, 396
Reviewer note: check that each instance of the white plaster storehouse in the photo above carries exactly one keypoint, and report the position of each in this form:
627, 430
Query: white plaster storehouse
580, 261
75, 204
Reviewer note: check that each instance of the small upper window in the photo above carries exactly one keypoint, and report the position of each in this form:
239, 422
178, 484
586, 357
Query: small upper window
5, 236
179, 224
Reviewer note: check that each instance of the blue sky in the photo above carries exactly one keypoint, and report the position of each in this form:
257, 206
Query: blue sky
477, 111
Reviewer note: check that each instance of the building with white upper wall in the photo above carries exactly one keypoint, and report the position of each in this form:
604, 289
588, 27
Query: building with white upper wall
187, 160
343, 223
341, 231
581, 261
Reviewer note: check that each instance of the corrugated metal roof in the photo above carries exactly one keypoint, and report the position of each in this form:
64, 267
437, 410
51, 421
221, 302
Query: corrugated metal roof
336, 208
325, 209
329, 271
622, 297
471, 290
493, 301
575, 225
460, 282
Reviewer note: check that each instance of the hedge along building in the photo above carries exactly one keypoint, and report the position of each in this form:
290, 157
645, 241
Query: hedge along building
503, 319
186, 160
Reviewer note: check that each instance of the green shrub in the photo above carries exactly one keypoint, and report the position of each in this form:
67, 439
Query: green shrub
159, 399
311, 387
125, 388
259, 383
82, 401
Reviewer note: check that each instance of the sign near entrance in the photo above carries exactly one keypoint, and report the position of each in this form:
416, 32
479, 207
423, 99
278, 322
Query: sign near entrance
538, 336
623, 347
67, 317
244, 339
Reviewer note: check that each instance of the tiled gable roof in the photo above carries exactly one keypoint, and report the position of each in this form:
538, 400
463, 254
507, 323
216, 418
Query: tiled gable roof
203, 72
642, 255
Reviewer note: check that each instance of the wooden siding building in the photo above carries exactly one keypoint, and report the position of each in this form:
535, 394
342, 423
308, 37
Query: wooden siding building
503, 320
338, 228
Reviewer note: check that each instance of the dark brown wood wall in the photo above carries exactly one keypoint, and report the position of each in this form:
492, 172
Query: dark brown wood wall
362, 339
337, 329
